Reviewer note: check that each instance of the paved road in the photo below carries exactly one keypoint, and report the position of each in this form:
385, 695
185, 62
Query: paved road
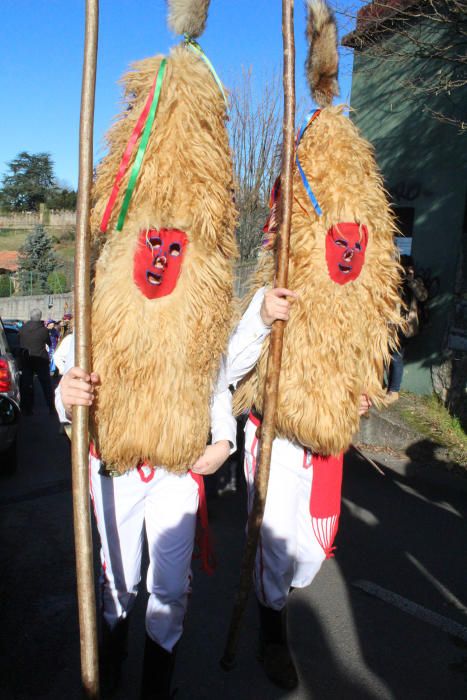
403, 537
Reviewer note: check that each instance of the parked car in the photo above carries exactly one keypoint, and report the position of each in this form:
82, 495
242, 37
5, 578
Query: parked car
9, 397
11, 329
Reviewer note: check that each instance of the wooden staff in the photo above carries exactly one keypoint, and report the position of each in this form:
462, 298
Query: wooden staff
277, 334
80, 435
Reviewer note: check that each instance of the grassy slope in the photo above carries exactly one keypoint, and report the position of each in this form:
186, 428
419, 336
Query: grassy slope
13, 240
427, 415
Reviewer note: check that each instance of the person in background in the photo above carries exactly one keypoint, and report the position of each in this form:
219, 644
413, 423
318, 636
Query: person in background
35, 339
413, 292
54, 338
66, 325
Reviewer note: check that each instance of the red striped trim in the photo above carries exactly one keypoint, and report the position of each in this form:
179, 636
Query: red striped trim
146, 478
256, 421
203, 537
92, 450
325, 500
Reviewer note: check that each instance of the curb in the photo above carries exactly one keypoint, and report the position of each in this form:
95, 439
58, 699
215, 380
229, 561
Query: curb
387, 429
408, 452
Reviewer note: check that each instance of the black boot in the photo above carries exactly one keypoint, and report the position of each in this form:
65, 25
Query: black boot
273, 650
158, 665
113, 652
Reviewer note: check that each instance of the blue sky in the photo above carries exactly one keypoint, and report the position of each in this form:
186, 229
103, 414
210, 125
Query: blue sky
41, 64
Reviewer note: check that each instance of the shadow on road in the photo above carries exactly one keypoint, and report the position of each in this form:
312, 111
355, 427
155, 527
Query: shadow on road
403, 531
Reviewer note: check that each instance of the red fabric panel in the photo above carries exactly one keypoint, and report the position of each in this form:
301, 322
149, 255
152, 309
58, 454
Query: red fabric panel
325, 499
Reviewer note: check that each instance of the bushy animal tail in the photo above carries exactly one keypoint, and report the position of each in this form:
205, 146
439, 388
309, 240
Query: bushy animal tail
322, 60
188, 16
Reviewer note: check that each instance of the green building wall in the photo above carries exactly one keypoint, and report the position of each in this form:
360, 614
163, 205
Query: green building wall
424, 164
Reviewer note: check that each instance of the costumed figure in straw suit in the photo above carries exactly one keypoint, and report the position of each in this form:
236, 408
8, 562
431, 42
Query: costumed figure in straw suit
161, 318
342, 319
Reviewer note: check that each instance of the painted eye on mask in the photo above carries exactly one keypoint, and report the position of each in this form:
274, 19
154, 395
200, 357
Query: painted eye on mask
153, 242
345, 256
157, 262
175, 250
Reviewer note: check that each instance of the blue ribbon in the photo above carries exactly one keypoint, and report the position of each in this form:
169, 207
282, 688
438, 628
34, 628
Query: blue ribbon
306, 184
194, 46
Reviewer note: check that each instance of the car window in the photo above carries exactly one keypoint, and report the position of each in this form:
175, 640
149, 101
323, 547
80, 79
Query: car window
12, 336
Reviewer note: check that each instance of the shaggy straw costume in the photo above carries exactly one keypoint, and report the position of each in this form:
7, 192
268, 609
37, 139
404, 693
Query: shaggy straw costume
338, 337
343, 265
158, 358
161, 317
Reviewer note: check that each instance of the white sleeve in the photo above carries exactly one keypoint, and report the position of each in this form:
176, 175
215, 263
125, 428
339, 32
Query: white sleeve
62, 352
68, 363
223, 423
247, 340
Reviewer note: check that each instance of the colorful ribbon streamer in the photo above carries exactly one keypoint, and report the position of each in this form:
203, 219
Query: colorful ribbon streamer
126, 158
308, 120
194, 46
142, 147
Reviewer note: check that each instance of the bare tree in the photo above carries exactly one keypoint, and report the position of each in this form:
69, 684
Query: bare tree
427, 38
255, 130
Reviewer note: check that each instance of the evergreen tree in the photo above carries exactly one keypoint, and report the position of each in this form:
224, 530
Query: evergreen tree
5, 286
57, 282
61, 198
36, 261
28, 183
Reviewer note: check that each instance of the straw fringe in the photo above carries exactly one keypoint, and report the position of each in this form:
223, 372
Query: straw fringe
339, 337
158, 359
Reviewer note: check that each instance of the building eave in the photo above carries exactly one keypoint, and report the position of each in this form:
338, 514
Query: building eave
375, 20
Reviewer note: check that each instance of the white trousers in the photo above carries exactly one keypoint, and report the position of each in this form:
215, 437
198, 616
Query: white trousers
166, 504
289, 554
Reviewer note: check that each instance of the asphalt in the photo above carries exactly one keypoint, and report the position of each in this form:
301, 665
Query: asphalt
402, 534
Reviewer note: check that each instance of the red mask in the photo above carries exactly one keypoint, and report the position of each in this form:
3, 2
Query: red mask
158, 261
345, 251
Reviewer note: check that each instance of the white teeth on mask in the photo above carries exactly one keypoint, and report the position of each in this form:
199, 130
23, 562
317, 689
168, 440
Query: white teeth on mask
153, 279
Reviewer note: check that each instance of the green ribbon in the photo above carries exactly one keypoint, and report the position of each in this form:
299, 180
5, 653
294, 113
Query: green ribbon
194, 46
142, 147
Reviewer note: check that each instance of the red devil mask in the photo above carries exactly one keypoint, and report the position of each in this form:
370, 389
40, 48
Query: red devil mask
158, 261
345, 251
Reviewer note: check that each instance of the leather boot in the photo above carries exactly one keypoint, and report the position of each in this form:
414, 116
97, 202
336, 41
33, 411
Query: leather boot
113, 652
273, 649
158, 665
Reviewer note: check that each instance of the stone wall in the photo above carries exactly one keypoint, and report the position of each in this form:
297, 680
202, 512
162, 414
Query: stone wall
51, 305
29, 219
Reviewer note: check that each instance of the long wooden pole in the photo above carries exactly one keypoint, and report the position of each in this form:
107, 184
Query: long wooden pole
277, 334
82, 312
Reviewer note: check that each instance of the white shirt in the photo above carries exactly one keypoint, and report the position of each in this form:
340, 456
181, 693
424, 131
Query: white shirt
62, 354
243, 353
246, 341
